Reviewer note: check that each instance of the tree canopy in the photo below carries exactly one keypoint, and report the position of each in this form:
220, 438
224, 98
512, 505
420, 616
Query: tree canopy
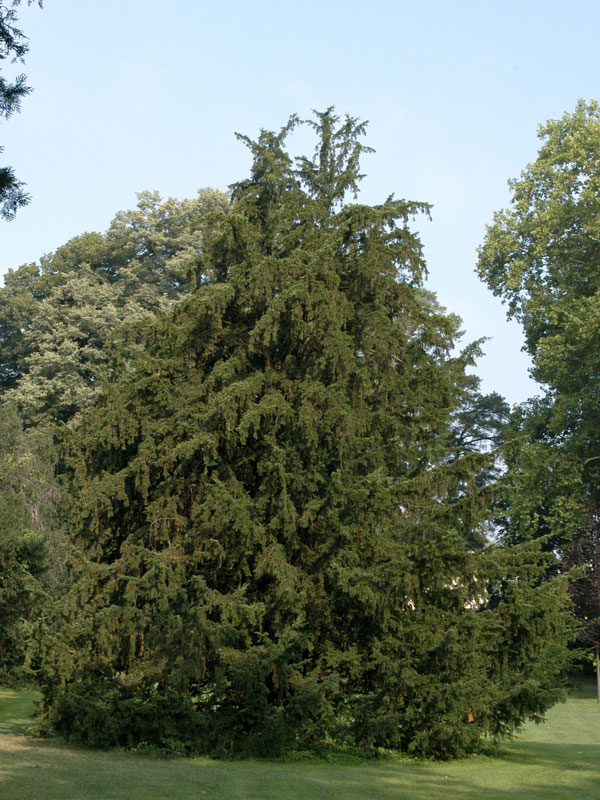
280, 538
57, 317
31, 544
542, 256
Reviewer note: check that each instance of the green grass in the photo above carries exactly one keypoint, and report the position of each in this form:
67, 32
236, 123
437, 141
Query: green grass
559, 760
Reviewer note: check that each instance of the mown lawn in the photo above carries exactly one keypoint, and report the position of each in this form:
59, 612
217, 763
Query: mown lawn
556, 761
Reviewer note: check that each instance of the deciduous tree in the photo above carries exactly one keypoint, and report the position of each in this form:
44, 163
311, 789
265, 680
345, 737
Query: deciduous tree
32, 544
56, 318
542, 255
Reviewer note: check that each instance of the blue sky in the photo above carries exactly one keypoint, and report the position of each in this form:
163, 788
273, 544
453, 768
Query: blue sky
140, 94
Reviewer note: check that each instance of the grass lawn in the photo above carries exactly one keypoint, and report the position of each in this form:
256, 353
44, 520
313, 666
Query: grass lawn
556, 761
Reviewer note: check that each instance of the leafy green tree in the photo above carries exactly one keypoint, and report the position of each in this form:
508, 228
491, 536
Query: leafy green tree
153, 244
275, 546
56, 319
13, 45
32, 544
583, 554
546, 497
542, 256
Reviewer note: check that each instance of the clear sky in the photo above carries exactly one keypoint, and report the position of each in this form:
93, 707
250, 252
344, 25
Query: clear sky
141, 94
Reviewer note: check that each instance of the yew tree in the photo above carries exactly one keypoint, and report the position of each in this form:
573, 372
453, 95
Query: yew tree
275, 542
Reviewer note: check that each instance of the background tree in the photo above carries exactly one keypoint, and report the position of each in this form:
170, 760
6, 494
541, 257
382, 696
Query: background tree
13, 45
478, 425
584, 554
479, 421
56, 318
32, 542
542, 256
275, 545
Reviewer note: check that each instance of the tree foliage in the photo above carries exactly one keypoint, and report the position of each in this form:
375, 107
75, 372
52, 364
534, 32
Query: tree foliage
478, 425
57, 318
13, 46
276, 542
32, 545
542, 256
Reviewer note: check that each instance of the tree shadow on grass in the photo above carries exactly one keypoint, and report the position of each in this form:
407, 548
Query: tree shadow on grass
34, 770
528, 771
542, 754
16, 708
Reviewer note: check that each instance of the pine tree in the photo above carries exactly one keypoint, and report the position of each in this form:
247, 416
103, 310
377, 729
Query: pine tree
275, 546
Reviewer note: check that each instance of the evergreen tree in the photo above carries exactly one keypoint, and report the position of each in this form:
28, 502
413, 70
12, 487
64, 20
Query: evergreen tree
479, 421
275, 545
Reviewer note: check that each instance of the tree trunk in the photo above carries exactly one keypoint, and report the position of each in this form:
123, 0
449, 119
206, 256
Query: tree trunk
598, 672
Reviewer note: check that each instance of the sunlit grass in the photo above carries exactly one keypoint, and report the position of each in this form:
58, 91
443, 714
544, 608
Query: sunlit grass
556, 761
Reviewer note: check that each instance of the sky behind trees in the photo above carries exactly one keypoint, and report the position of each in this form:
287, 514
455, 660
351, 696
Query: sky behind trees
141, 95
